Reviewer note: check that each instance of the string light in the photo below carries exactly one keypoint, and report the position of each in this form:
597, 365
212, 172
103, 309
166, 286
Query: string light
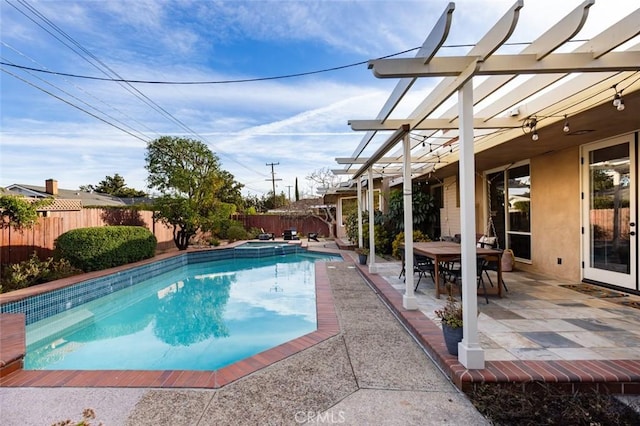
566, 128
617, 99
529, 126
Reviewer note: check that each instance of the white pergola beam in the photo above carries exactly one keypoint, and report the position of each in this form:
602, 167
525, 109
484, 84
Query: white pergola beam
436, 124
389, 143
563, 31
508, 64
431, 45
560, 33
363, 160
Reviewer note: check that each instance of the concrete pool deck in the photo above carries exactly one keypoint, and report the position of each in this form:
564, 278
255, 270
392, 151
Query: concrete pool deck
370, 372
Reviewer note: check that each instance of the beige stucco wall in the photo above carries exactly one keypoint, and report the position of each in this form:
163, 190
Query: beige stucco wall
555, 214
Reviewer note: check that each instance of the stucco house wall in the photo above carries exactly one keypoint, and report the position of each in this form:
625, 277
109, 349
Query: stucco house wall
555, 214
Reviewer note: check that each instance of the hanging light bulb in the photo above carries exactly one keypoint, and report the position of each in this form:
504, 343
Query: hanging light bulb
617, 98
423, 144
530, 126
566, 128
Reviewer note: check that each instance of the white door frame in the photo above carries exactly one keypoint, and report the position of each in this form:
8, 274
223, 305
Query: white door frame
621, 279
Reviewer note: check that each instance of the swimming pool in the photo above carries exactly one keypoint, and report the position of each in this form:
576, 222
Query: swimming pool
199, 316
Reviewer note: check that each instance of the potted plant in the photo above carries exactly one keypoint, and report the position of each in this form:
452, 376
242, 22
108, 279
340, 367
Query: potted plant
450, 316
362, 255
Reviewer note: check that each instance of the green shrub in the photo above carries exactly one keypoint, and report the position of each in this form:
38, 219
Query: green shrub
253, 233
381, 238
35, 271
236, 232
93, 249
399, 240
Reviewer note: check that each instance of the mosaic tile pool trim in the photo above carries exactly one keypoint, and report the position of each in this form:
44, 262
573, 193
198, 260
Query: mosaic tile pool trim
54, 302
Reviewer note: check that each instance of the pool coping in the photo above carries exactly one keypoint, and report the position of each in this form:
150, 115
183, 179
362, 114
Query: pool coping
13, 347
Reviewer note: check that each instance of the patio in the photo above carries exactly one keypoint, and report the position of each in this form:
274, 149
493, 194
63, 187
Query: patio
538, 330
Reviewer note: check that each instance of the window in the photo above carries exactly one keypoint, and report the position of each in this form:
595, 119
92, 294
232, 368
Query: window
509, 193
348, 205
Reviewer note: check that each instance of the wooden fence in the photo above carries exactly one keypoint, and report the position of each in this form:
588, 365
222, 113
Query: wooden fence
18, 245
276, 224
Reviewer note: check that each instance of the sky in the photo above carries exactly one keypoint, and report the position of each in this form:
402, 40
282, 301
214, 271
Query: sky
80, 130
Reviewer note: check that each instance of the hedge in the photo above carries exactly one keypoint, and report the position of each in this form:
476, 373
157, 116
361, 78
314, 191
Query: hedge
93, 249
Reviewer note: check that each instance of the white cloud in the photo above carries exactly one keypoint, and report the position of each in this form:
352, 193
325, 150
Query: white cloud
300, 122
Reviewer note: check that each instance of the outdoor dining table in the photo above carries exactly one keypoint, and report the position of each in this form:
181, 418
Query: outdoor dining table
446, 251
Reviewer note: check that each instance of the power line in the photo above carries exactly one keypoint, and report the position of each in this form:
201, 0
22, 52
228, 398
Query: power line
105, 69
273, 177
73, 105
248, 80
242, 80
71, 96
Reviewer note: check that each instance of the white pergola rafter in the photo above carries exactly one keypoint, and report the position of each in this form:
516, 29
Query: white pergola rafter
460, 66
601, 68
436, 124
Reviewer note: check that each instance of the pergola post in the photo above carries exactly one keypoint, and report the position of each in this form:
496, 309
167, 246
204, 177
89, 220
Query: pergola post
409, 300
372, 240
359, 201
470, 354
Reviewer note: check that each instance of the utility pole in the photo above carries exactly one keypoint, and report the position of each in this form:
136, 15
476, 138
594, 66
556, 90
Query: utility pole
289, 188
273, 180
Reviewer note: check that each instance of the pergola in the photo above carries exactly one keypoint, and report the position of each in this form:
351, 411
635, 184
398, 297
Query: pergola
576, 85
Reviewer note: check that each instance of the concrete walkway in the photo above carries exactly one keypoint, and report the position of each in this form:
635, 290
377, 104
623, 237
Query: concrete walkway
373, 373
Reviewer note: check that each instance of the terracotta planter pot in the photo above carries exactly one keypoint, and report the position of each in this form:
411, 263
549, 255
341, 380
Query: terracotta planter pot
451, 338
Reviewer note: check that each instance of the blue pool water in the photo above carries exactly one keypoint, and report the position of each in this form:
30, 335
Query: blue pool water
199, 316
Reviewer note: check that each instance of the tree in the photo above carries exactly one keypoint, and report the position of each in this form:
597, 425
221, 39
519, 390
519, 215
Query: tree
114, 186
19, 213
188, 176
423, 206
273, 202
254, 204
297, 191
324, 178
326, 213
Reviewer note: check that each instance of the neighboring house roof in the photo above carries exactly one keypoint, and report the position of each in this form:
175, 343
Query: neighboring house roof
66, 197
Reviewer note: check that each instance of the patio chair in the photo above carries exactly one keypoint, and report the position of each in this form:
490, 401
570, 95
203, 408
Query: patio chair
452, 271
312, 236
423, 266
290, 234
263, 236
492, 265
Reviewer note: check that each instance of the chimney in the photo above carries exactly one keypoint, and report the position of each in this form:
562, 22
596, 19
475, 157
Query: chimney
51, 186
